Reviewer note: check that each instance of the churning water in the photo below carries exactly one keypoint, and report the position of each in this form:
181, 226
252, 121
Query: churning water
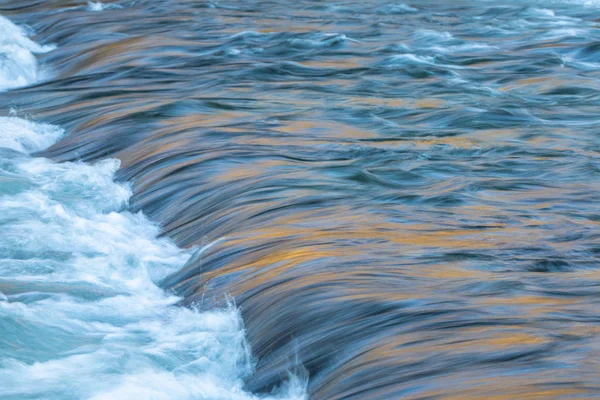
274, 199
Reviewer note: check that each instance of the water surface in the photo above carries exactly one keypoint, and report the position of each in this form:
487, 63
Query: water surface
401, 199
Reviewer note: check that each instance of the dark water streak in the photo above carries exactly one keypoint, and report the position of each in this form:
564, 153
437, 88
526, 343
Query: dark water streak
404, 199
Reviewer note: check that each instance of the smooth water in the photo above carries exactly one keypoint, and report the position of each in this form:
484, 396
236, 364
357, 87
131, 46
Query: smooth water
345, 200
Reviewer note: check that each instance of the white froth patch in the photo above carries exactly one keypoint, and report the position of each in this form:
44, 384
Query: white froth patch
11, 34
92, 6
98, 6
79, 275
25, 136
18, 65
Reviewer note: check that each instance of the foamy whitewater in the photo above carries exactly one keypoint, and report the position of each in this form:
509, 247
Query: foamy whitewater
18, 65
80, 311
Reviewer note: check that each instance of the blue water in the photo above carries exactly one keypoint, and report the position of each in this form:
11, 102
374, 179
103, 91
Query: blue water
273, 199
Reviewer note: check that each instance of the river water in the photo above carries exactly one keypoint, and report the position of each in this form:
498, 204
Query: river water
287, 200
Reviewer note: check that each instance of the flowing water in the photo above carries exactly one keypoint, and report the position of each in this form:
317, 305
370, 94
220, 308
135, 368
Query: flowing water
275, 199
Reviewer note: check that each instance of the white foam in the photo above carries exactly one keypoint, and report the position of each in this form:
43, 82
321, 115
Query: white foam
24, 136
18, 65
98, 6
78, 275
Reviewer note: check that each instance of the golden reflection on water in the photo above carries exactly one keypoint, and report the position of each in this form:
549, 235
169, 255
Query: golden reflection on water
326, 129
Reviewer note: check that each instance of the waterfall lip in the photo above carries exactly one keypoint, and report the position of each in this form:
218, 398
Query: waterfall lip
99, 6
80, 279
27, 137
